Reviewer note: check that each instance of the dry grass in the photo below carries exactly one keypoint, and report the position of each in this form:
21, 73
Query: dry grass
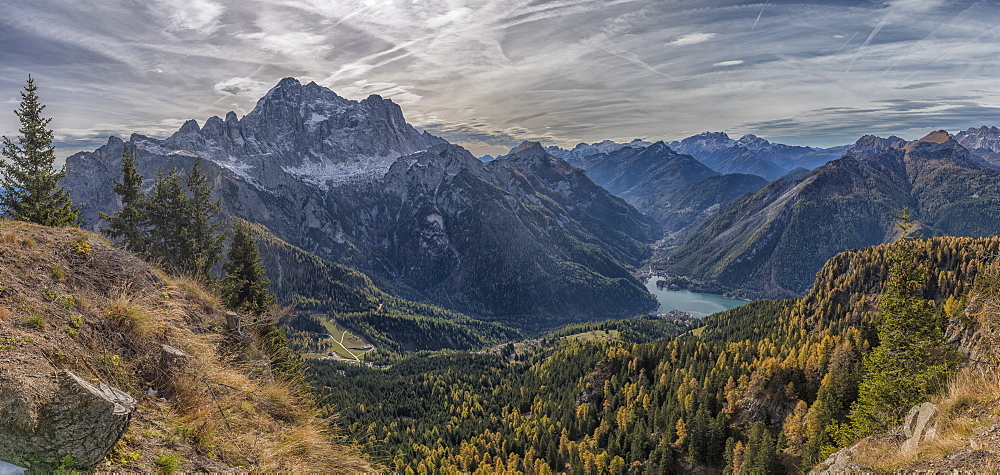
109, 318
964, 409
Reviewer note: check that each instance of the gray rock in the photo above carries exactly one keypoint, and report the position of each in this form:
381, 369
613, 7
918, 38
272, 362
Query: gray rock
44, 418
839, 463
11, 469
920, 424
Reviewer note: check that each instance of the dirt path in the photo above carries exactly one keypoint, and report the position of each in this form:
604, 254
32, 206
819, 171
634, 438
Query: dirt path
341, 343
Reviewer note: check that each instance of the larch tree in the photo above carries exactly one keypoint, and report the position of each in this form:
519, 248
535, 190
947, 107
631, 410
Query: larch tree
29, 183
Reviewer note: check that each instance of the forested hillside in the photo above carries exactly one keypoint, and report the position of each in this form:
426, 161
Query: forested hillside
769, 386
393, 325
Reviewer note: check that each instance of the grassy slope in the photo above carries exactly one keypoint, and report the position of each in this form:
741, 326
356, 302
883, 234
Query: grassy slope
103, 314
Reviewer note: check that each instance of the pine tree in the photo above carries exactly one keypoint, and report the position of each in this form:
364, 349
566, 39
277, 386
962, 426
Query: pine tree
244, 286
183, 231
129, 224
28, 181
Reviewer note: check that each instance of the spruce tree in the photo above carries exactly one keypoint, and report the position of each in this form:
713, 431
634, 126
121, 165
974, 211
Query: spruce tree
129, 224
167, 210
244, 285
204, 238
911, 360
182, 220
28, 181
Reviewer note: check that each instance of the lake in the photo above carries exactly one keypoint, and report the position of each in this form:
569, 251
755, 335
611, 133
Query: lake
696, 303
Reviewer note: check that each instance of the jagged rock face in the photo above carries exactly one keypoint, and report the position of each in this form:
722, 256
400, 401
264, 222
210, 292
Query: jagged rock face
507, 239
309, 132
984, 137
324, 174
773, 242
983, 143
46, 415
871, 145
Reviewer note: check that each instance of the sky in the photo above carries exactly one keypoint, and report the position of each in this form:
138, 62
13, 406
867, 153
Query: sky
488, 74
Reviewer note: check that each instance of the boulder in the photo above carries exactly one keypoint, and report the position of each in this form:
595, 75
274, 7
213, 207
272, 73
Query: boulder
920, 424
839, 463
46, 417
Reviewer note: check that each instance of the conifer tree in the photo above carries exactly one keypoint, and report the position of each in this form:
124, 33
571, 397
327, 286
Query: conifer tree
28, 181
244, 285
183, 231
167, 209
911, 360
129, 224
204, 239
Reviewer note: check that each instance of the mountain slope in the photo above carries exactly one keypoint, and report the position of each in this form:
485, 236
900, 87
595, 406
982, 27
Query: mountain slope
80, 317
523, 235
637, 173
324, 174
983, 142
773, 242
680, 208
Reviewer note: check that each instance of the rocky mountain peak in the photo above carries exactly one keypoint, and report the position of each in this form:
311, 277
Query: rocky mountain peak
529, 149
709, 141
190, 127
987, 138
870, 145
753, 142
936, 137
660, 147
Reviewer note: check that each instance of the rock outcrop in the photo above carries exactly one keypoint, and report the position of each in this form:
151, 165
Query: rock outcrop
45, 417
840, 463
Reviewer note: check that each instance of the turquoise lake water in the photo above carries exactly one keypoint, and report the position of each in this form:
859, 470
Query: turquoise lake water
696, 303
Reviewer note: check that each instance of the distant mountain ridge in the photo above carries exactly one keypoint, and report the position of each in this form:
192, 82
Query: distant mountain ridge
751, 154
772, 243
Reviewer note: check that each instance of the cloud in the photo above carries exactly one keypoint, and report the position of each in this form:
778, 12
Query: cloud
734, 62
242, 86
692, 39
487, 73
191, 14
916, 6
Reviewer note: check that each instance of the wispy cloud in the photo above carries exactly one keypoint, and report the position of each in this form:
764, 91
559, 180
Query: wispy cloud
490, 73
692, 39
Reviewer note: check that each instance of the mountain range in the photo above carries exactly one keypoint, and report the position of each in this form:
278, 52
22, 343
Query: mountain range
527, 238
546, 235
771, 243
